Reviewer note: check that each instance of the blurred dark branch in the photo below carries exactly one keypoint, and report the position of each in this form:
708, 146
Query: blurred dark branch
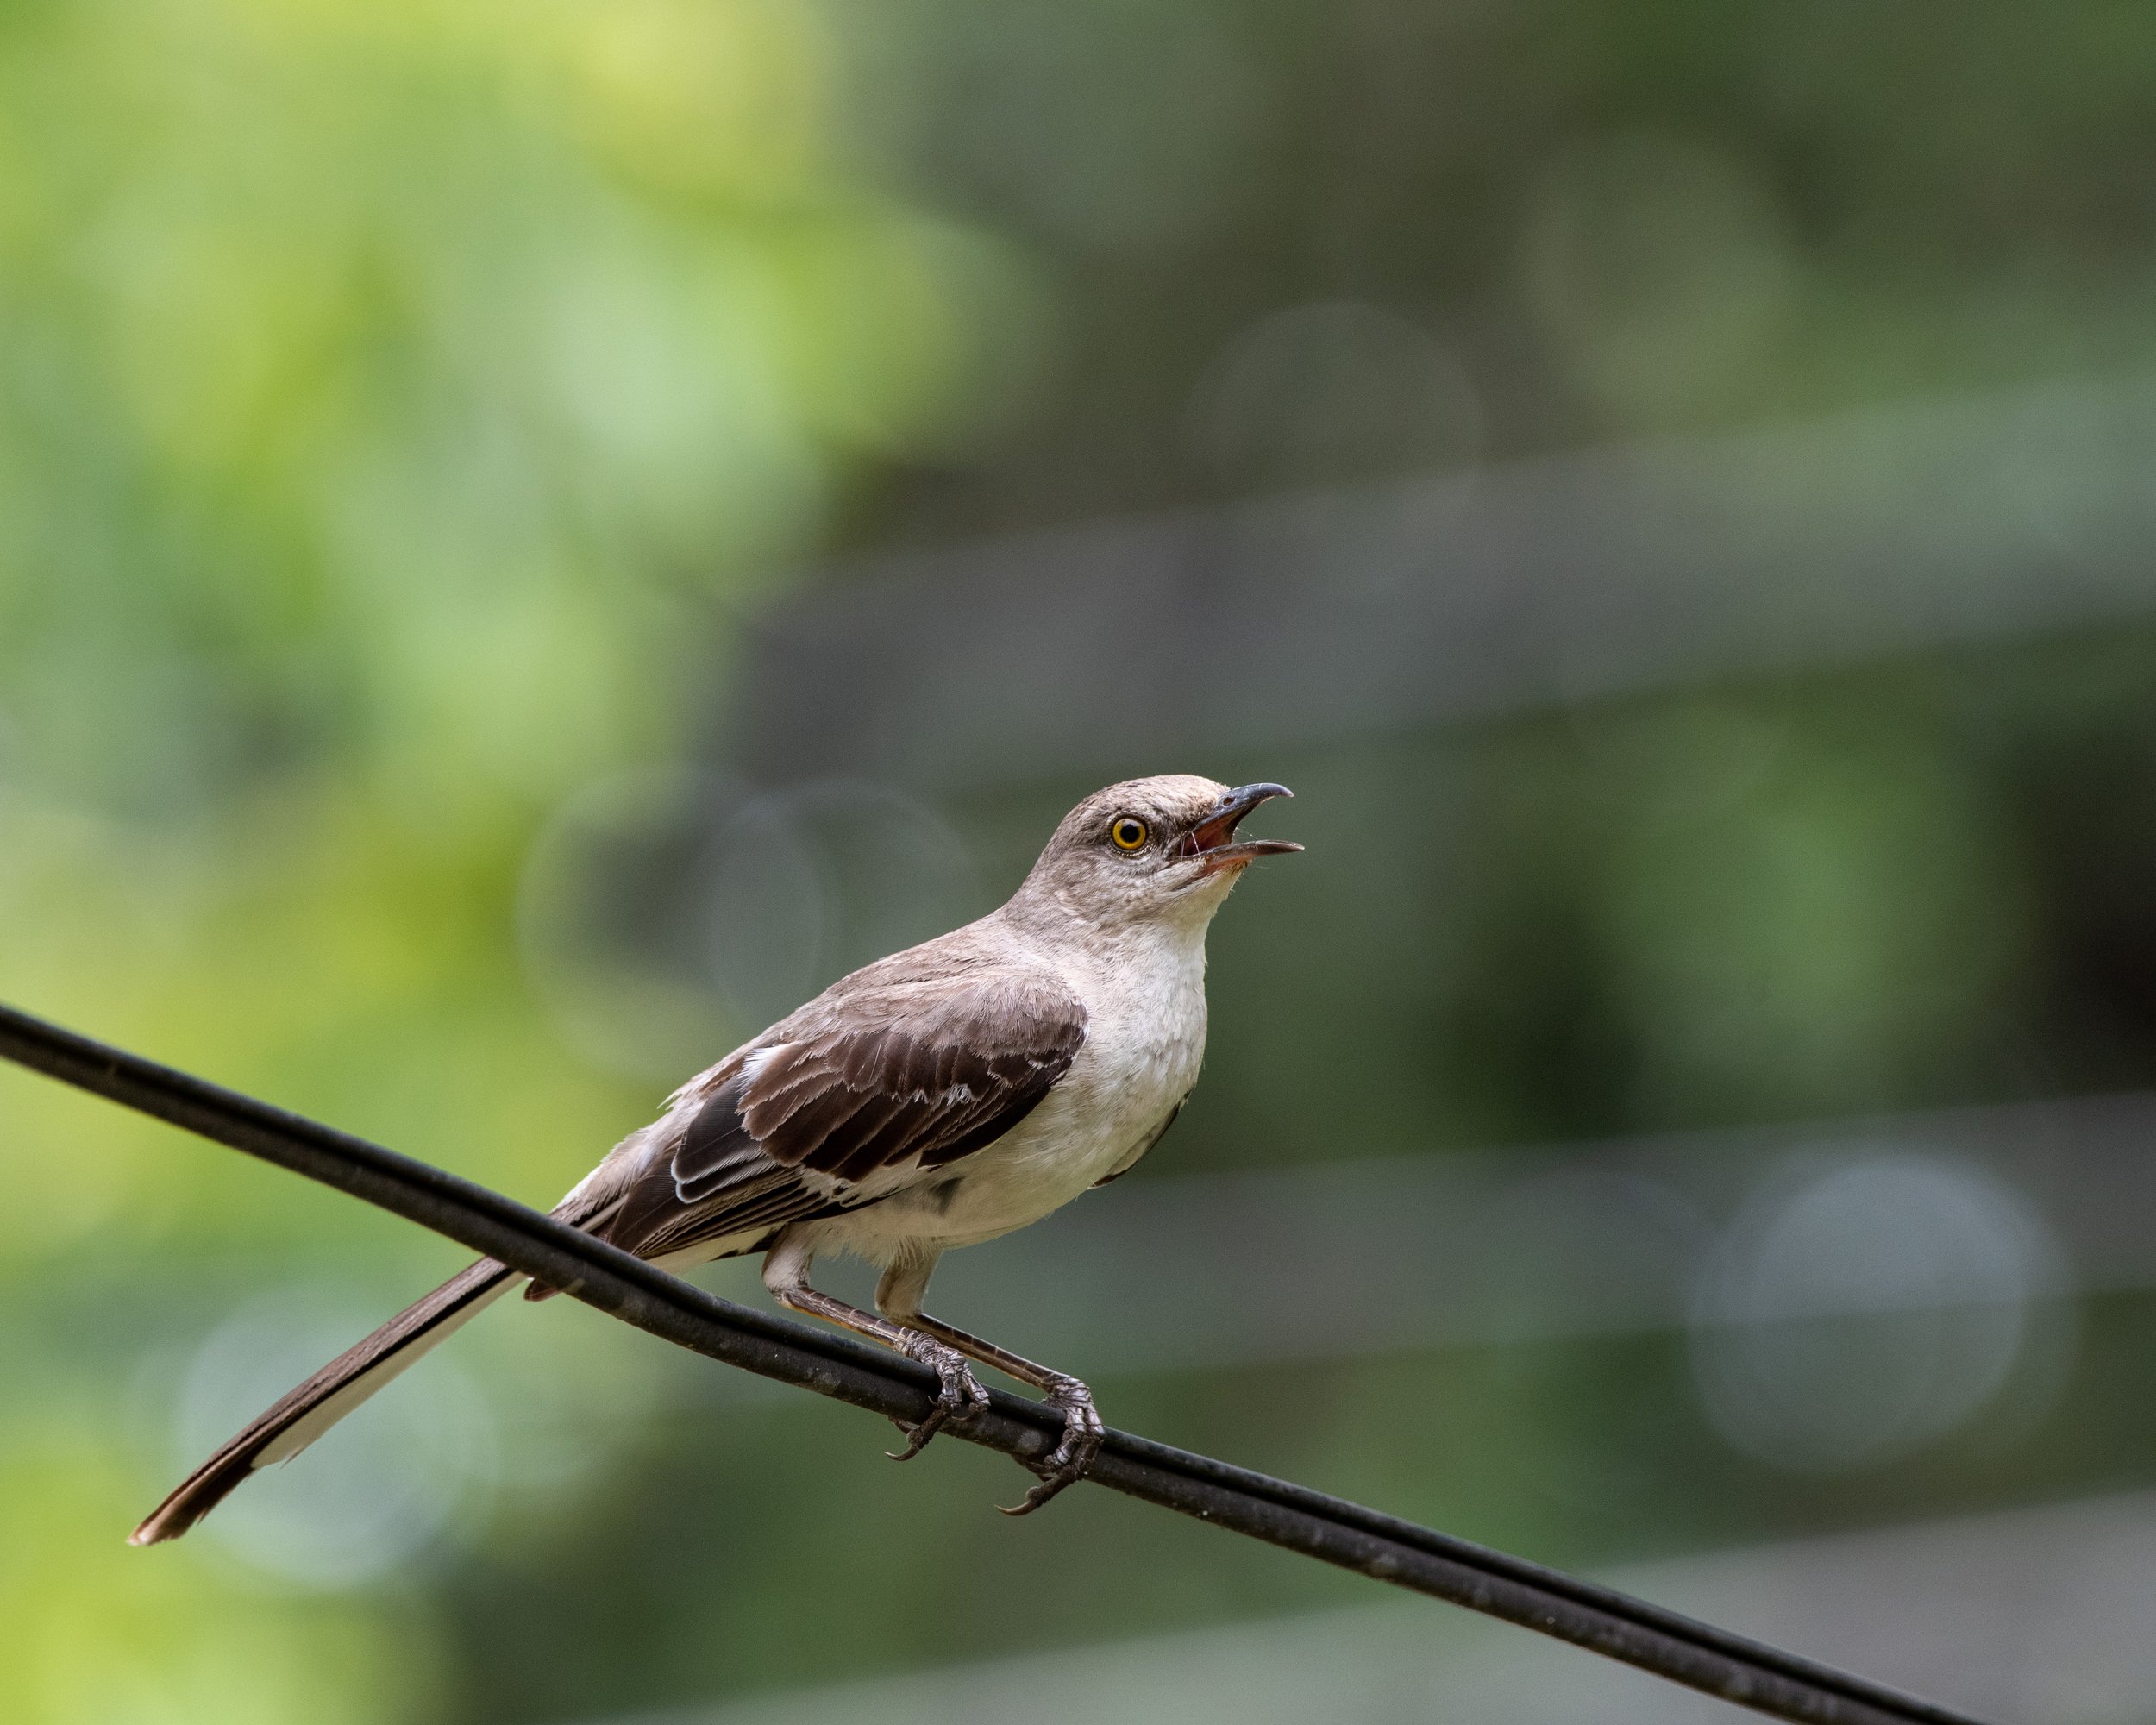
1696, 1654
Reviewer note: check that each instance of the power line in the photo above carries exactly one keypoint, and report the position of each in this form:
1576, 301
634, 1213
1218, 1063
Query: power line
1748, 1673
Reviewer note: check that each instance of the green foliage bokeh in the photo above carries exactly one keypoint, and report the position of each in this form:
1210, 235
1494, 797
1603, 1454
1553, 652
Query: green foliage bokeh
393, 401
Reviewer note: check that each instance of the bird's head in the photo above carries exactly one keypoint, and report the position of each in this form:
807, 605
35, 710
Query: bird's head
1152, 849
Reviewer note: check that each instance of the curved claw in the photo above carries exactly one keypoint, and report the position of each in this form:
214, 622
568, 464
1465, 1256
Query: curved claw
958, 1396
1071, 1459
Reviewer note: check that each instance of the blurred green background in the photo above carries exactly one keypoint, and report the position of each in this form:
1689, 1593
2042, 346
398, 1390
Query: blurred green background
412, 421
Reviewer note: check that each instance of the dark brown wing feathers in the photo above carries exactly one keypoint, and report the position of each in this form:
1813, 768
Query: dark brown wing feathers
885, 1079
851, 1102
715, 1147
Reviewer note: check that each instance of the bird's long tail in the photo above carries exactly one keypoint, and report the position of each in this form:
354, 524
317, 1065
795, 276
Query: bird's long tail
297, 1420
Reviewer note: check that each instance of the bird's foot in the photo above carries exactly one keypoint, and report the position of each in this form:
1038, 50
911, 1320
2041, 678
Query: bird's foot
1071, 1459
958, 1396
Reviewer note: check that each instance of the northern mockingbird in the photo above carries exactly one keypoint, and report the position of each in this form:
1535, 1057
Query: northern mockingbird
937, 1098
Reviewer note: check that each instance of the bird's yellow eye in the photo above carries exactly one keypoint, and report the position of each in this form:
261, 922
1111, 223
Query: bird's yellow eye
1127, 832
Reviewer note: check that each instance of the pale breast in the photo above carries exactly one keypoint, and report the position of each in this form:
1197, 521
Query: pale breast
1145, 1038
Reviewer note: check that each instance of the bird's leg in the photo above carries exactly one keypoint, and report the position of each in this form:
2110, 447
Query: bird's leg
1071, 1459
958, 1394
899, 1296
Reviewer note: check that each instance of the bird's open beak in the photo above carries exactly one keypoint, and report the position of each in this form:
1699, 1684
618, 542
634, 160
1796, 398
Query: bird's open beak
1214, 838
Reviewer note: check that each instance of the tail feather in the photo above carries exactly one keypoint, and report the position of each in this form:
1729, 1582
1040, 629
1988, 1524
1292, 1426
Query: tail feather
300, 1417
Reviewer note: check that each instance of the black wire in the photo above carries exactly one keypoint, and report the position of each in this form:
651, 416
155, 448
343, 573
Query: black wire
1747, 1673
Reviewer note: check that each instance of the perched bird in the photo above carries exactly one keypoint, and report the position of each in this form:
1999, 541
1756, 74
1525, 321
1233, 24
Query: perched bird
937, 1098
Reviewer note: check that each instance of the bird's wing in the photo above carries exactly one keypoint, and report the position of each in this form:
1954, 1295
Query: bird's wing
836, 1107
